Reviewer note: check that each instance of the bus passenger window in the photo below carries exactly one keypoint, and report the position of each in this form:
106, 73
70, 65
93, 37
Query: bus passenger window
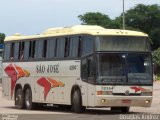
16, 51
26, 50
7, 50
61, 47
67, 46
38, 49
51, 48
32, 50
21, 51
45, 45
12, 52
74, 47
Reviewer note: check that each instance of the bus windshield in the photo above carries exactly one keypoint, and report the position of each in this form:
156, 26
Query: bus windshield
122, 43
116, 68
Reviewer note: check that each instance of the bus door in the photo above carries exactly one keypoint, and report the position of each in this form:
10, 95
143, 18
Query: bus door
88, 73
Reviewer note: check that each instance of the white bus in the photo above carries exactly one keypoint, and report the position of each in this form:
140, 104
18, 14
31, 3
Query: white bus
81, 66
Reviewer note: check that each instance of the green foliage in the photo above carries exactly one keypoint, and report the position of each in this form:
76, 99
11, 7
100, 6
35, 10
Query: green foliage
2, 37
158, 76
156, 57
145, 18
95, 18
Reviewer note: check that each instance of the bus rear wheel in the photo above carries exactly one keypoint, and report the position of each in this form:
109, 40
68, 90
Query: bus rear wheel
19, 100
77, 102
29, 105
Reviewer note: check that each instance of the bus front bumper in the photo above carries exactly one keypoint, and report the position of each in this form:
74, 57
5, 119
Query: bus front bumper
141, 101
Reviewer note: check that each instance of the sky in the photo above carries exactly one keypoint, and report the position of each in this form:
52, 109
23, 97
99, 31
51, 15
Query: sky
29, 17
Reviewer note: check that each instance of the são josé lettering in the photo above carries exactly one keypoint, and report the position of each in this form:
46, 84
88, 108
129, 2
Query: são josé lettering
47, 69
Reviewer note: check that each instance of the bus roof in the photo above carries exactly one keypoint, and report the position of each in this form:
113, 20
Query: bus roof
76, 30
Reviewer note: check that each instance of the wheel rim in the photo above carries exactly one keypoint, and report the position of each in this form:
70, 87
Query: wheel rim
18, 99
27, 98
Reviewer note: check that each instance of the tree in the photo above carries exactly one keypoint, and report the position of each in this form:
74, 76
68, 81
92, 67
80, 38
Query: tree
156, 61
145, 18
156, 56
2, 37
95, 18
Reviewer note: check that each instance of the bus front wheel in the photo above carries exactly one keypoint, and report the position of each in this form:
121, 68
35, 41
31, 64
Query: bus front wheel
19, 100
77, 102
28, 99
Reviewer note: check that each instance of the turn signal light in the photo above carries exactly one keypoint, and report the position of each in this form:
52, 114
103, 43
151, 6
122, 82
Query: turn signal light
104, 92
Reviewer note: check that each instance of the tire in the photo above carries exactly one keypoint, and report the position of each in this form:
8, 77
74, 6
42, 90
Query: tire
122, 109
19, 99
29, 105
77, 102
125, 109
115, 108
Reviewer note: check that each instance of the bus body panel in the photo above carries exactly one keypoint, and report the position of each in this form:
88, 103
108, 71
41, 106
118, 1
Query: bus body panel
119, 96
50, 81
91, 59
68, 74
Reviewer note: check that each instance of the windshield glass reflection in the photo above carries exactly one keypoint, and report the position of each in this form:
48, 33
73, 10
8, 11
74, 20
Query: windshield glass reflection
117, 68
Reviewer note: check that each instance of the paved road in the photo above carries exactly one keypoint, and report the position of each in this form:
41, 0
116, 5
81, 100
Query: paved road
50, 113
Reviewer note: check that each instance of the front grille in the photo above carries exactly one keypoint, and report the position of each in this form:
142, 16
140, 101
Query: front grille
130, 94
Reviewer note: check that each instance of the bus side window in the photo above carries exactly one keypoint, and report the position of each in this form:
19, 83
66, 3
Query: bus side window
26, 50
7, 50
16, 51
67, 47
21, 51
61, 47
51, 48
74, 47
38, 49
32, 50
45, 46
12, 52
87, 45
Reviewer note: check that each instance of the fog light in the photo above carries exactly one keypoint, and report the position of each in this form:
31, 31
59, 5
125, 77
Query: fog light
103, 100
147, 101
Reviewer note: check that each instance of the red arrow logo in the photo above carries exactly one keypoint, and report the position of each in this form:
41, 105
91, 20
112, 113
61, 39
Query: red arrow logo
137, 88
15, 72
48, 83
